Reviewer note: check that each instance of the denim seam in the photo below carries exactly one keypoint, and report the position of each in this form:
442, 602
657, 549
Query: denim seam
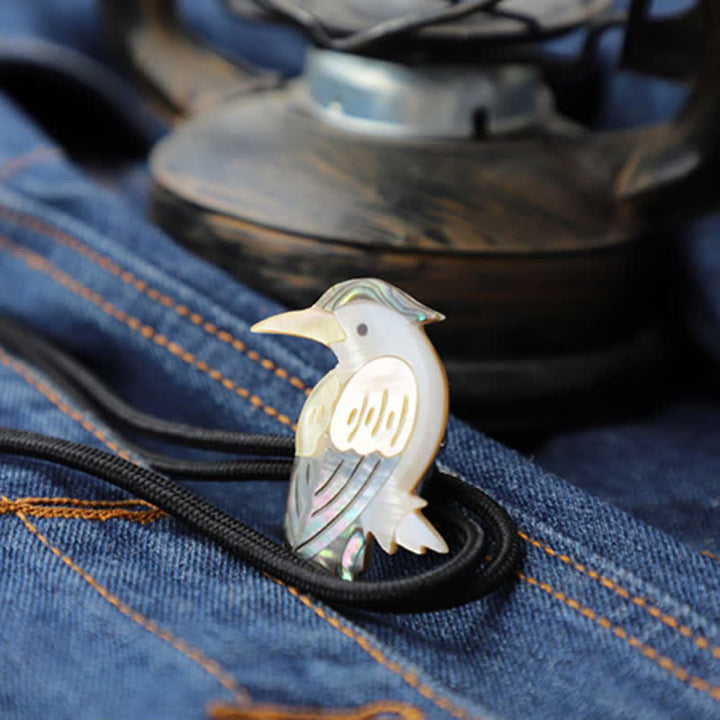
76, 509
713, 691
710, 555
28, 377
369, 711
183, 311
212, 667
39, 153
654, 612
699, 640
42, 264
408, 676
412, 679
42, 388
22, 510
74, 243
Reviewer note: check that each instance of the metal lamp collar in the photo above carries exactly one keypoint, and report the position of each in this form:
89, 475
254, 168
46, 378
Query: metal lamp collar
377, 97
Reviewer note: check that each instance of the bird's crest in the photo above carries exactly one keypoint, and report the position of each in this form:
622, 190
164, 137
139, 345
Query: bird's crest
380, 292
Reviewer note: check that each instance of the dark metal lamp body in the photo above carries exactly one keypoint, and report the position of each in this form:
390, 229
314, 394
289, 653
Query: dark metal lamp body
540, 240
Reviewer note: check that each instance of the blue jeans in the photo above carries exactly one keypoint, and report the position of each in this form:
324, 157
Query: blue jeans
112, 610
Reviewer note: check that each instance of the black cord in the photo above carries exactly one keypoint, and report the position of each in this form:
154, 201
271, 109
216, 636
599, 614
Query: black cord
79, 382
215, 470
462, 577
497, 524
434, 589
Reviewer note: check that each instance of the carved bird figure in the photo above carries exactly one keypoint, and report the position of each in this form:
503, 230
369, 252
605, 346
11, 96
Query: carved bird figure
370, 429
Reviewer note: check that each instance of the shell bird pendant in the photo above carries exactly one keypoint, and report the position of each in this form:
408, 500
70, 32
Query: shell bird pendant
369, 431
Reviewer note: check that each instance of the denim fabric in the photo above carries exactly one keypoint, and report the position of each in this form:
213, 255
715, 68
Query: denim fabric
110, 611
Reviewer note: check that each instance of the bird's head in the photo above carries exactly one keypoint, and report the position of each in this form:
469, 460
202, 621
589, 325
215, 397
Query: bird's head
358, 319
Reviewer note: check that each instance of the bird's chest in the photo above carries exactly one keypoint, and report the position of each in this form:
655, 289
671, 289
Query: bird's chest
312, 433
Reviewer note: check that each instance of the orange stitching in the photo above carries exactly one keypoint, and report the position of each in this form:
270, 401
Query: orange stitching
701, 642
101, 509
20, 162
212, 667
77, 502
710, 555
409, 677
216, 711
664, 662
38, 262
72, 509
92, 509
55, 400
74, 243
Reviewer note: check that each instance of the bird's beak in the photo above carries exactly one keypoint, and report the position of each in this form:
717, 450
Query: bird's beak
313, 323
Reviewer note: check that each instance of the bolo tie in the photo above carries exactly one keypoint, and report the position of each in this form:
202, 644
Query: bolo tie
365, 444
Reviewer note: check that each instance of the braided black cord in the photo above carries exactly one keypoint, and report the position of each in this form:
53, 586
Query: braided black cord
459, 579
433, 589
232, 470
217, 470
73, 377
497, 524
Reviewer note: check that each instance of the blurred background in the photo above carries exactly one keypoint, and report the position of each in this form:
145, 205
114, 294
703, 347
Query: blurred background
532, 168
544, 172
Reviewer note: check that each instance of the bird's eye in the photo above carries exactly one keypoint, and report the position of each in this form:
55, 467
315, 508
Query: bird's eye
362, 329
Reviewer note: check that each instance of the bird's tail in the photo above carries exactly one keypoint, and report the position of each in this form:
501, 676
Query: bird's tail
417, 534
395, 518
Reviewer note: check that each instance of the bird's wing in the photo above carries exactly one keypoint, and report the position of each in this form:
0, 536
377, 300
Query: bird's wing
376, 410
371, 423
327, 495
316, 414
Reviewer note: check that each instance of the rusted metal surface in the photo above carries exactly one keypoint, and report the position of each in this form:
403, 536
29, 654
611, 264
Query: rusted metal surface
545, 250
523, 333
263, 160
